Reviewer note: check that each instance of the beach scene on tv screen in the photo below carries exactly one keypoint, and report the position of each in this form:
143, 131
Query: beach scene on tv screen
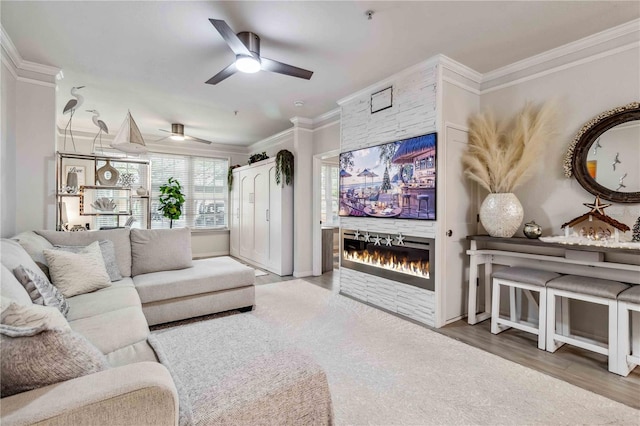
393, 180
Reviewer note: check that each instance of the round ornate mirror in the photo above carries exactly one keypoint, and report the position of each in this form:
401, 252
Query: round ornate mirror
605, 155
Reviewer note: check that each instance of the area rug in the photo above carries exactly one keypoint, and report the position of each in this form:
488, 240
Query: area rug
260, 273
238, 370
384, 370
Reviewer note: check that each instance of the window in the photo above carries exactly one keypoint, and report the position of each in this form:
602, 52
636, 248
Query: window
204, 184
329, 194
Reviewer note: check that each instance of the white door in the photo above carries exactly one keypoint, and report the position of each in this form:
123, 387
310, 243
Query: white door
460, 220
246, 214
261, 218
234, 217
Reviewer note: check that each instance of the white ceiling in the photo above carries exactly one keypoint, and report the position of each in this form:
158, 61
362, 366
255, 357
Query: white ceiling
154, 57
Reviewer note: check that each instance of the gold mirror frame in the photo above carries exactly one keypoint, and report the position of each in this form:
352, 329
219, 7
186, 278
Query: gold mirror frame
575, 161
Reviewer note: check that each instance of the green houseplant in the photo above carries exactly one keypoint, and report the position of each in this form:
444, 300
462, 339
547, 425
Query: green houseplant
171, 200
284, 166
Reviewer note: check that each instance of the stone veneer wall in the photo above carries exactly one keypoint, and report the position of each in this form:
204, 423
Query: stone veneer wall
414, 113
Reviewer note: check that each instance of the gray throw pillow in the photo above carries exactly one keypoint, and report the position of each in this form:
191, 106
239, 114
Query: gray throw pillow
40, 290
154, 250
34, 244
108, 251
44, 358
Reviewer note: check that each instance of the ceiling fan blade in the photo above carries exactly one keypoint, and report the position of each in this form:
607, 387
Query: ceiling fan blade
227, 72
161, 139
163, 130
280, 68
230, 37
193, 138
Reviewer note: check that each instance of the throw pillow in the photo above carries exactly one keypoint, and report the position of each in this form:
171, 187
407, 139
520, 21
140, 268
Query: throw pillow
34, 244
38, 355
78, 273
108, 254
40, 290
26, 320
154, 250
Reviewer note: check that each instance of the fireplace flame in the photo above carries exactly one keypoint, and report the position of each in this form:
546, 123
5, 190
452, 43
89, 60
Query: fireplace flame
393, 262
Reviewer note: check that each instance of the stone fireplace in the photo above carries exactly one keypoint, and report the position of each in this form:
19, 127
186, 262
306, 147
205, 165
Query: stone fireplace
406, 259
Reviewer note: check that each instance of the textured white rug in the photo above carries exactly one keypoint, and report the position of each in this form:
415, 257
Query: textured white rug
260, 273
384, 370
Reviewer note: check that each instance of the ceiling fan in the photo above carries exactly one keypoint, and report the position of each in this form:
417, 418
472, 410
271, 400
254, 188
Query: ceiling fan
177, 134
246, 46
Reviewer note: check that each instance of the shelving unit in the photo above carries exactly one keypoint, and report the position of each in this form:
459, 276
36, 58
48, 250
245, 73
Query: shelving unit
79, 200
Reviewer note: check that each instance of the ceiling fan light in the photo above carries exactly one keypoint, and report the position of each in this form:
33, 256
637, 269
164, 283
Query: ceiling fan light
247, 64
177, 137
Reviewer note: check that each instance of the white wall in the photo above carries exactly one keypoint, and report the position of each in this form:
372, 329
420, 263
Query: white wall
35, 155
326, 138
584, 91
8, 199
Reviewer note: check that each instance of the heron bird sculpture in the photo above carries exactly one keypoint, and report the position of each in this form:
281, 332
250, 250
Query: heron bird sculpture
101, 125
70, 108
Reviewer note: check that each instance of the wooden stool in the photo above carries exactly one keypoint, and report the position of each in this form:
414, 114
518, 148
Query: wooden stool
420, 199
628, 330
526, 279
587, 289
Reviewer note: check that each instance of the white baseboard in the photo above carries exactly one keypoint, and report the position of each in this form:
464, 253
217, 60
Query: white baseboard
302, 274
210, 254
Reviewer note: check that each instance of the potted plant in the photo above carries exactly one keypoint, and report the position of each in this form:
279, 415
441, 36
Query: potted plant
171, 200
500, 156
230, 176
258, 157
284, 167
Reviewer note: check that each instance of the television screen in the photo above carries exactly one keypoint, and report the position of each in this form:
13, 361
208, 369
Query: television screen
394, 180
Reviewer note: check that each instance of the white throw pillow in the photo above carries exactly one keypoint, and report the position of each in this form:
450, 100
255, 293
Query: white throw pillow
78, 273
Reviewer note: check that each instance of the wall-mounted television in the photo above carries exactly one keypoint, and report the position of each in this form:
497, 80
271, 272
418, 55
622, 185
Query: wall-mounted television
393, 180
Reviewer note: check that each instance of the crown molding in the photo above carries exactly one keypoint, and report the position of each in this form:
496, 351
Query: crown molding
500, 76
35, 72
271, 140
302, 122
329, 115
461, 69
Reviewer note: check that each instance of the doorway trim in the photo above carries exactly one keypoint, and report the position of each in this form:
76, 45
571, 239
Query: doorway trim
317, 226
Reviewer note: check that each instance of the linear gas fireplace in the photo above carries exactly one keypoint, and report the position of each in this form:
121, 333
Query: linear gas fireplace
408, 260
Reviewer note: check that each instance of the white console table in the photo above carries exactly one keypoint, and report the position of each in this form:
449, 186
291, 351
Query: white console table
603, 262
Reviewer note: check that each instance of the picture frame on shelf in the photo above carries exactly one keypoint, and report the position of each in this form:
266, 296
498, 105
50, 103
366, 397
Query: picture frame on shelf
80, 172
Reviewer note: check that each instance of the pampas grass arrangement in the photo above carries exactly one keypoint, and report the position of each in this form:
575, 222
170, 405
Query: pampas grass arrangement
499, 156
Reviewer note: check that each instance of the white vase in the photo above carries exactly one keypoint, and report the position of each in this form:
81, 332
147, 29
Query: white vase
501, 214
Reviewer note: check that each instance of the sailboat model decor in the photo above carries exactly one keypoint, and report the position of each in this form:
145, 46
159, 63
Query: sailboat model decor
129, 139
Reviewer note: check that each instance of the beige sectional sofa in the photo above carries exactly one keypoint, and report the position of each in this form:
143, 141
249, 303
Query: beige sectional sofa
137, 390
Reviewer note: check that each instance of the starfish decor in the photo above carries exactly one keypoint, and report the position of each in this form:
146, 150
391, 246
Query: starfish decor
388, 241
367, 237
356, 235
597, 205
400, 239
376, 240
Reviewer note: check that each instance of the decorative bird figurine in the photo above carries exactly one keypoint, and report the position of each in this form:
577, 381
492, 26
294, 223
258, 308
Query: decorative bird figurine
616, 161
596, 146
621, 183
101, 125
70, 108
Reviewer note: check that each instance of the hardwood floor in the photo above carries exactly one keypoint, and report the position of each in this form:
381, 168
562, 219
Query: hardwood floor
581, 368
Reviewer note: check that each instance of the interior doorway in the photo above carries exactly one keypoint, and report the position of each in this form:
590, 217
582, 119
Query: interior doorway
325, 211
